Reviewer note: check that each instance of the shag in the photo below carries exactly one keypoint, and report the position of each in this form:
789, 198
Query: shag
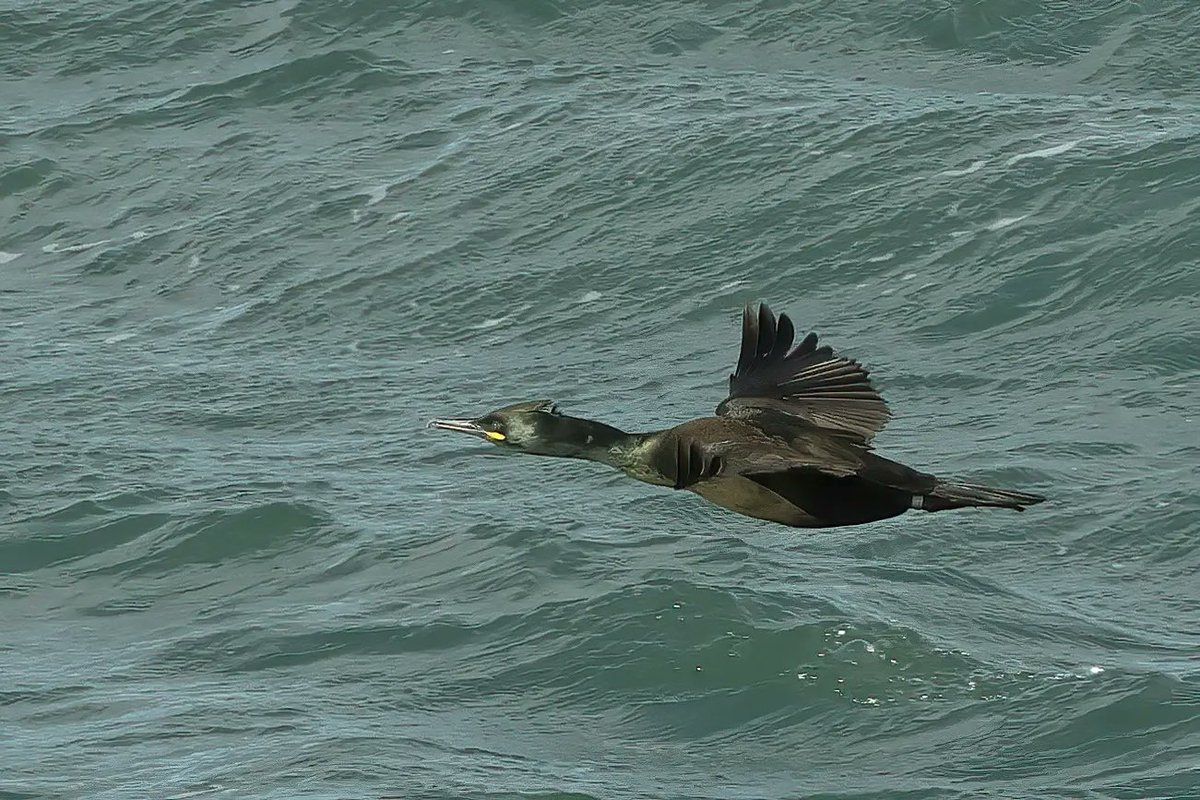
790, 444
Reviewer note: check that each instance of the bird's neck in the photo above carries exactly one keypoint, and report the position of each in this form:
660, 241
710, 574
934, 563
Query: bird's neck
595, 441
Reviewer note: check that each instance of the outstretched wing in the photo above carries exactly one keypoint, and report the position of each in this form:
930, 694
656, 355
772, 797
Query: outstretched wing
777, 384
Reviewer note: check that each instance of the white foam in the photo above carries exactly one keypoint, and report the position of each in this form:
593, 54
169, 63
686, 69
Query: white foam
73, 248
908, 276
139, 235
974, 166
399, 215
724, 287
355, 215
1046, 152
885, 257
1095, 670
223, 314
490, 323
1005, 222
212, 787
119, 337
7, 257
376, 195
590, 297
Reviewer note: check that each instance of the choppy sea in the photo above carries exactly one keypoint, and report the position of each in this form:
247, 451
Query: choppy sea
248, 249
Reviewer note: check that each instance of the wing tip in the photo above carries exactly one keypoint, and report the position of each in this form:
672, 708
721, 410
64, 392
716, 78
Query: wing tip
810, 372
768, 337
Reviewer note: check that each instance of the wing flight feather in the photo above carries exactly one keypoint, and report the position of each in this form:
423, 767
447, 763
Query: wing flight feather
776, 383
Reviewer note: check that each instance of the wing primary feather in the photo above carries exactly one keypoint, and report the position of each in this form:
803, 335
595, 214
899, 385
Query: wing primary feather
766, 331
749, 340
785, 334
807, 383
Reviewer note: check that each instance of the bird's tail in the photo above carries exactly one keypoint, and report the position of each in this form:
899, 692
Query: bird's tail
947, 495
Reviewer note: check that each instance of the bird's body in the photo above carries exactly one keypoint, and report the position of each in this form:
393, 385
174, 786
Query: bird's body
791, 443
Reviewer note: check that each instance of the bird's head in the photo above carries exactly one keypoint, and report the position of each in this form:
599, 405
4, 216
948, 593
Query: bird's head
533, 427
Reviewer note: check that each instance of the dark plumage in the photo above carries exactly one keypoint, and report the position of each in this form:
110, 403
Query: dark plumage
791, 443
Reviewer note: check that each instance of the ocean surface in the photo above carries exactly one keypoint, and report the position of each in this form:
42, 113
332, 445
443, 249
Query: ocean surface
249, 249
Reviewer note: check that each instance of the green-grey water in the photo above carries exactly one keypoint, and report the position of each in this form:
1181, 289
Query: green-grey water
249, 249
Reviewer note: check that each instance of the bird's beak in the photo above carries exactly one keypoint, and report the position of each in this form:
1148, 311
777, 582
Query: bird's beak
460, 425
464, 426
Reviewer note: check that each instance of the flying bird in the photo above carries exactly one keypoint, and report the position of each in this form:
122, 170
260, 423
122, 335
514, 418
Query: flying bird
791, 443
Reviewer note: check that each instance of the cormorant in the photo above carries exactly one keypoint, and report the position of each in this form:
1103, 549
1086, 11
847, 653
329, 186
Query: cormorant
791, 443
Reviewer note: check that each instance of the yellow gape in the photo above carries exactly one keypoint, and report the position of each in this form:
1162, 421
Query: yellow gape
494, 436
